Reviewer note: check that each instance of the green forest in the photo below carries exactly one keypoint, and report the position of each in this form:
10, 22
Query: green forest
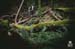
37, 24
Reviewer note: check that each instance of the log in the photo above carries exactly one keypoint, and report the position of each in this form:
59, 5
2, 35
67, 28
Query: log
42, 24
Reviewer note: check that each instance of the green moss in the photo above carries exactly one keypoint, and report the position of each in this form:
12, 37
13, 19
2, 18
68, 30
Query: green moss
42, 24
4, 22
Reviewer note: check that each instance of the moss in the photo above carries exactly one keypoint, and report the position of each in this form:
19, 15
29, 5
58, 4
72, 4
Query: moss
4, 22
55, 23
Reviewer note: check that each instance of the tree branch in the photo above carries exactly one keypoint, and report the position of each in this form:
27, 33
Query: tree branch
18, 11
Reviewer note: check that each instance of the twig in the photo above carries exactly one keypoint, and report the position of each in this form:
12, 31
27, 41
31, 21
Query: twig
53, 13
18, 11
23, 20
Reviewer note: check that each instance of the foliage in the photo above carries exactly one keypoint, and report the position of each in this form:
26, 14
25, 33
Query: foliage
36, 29
41, 37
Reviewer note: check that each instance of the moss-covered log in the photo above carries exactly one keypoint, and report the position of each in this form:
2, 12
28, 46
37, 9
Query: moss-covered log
65, 9
42, 24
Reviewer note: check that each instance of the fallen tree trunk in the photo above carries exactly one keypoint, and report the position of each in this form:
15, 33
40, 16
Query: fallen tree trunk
42, 24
